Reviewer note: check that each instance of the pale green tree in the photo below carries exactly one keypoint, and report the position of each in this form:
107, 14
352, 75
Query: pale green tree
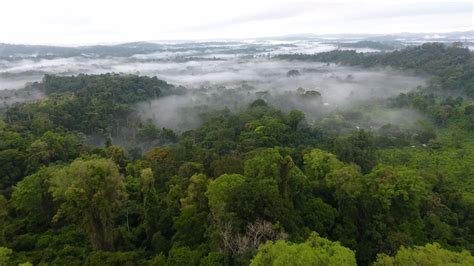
319, 163
5, 254
91, 193
430, 254
315, 251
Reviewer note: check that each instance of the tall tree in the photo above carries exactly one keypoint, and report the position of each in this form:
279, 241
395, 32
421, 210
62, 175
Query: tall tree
90, 193
315, 251
430, 254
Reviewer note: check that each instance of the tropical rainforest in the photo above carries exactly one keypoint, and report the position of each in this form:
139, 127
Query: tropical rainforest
85, 181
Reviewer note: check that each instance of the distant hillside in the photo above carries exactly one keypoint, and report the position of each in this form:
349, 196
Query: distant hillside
371, 45
126, 49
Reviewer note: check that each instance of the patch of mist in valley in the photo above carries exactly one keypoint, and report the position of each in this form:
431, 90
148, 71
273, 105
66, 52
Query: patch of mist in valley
398, 116
234, 84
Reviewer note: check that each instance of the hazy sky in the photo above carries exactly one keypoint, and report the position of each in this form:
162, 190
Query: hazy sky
104, 21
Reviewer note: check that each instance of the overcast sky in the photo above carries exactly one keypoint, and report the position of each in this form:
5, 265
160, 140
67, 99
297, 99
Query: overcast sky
108, 21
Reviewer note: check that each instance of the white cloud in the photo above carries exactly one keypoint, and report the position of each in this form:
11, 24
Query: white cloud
94, 21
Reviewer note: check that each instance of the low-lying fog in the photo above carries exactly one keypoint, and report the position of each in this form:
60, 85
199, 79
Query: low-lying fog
219, 79
16, 70
234, 84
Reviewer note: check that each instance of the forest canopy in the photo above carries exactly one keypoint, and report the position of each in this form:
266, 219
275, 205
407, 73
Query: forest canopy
260, 186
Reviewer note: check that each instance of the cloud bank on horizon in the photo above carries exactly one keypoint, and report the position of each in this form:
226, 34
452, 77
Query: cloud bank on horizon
88, 21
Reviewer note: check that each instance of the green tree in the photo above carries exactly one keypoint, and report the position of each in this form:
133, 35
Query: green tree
319, 163
12, 167
345, 182
183, 256
3, 217
218, 194
227, 164
294, 118
430, 254
260, 199
127, 258
31, 197
390, 200
269, 164
151, 204
214, 259
192, 222
264, 165
91, 193
315, 251
358, 148
5, 254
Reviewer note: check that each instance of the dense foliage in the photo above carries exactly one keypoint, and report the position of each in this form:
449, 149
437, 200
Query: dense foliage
258, 187
451, 67
86, 103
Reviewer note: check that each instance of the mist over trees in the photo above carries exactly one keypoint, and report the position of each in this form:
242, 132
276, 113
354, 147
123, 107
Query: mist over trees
124, 169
